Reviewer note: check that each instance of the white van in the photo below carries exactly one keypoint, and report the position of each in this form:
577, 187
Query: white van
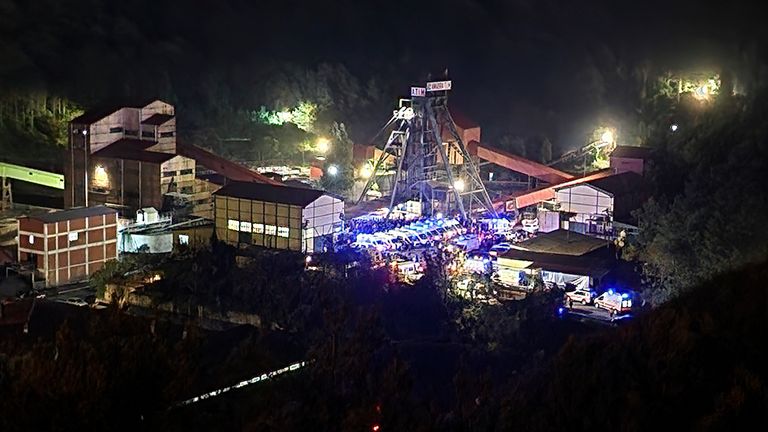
614, 302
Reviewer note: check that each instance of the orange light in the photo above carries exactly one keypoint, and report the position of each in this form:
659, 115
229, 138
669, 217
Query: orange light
375, 428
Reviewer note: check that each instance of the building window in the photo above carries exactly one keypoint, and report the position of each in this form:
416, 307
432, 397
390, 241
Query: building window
186, 189
166, 134
270, 229
258, 228
31, 239
245, 227
282, 231
169, 173
233, 225
148, 134
116, 129
185, 172
73, 236
183, 239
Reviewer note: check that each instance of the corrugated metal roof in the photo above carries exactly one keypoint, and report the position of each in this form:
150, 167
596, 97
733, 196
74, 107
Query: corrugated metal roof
270, 193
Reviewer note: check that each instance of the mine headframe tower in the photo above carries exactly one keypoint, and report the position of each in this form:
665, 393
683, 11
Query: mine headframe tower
427, 168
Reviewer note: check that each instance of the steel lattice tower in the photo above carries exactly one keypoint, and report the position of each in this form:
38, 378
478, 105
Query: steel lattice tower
424, 171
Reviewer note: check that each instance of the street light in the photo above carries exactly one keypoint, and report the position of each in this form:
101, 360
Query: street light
323, 145
673, 128
333, 170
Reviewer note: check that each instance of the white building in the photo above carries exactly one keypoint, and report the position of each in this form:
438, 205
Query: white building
594, 206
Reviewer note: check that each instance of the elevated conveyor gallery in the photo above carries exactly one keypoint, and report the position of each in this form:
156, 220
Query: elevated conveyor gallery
517, 163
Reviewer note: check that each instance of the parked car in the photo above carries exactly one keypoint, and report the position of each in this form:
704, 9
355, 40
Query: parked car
579, 296
75, 301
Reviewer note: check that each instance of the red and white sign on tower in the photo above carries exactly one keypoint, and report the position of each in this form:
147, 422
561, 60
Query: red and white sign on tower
438, 86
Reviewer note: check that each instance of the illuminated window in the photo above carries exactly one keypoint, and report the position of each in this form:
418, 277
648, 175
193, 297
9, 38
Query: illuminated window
258, 228
233, 225
270, 229
245, 226
73, 236
31, 239
183, 239
282, 231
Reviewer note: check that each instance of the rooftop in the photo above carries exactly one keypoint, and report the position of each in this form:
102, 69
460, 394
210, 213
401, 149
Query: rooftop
133, 149
75, 213
270, 193
562, 242
93, 115
157, 119
595, 264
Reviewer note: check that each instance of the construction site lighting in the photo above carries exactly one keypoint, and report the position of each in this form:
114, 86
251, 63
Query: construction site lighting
323, 145
673, 128
458, 185
607, 137
333, 170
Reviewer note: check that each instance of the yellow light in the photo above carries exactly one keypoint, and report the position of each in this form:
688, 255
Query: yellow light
458, 185
366, 171
100, 177
607, 137
701, 92
323, 145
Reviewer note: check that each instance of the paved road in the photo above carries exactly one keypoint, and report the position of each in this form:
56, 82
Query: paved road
587, 312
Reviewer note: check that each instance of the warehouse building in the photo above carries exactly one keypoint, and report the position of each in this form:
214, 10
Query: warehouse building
280, 217
69, 245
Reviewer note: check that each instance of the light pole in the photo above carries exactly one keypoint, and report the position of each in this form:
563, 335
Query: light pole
85, 157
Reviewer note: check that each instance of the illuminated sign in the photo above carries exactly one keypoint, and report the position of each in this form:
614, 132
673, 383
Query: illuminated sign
418, 91
510, 206
438, 86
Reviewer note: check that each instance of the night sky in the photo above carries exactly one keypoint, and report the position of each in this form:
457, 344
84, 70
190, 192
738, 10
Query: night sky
522, 66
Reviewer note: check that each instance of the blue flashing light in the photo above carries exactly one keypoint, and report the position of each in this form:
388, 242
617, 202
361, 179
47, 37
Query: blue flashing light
610, 291
560, 310
625, 296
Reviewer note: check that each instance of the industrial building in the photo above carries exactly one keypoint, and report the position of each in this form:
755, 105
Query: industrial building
126, 156
592, 207
558, 258
280, 217
129, 158
68, 245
